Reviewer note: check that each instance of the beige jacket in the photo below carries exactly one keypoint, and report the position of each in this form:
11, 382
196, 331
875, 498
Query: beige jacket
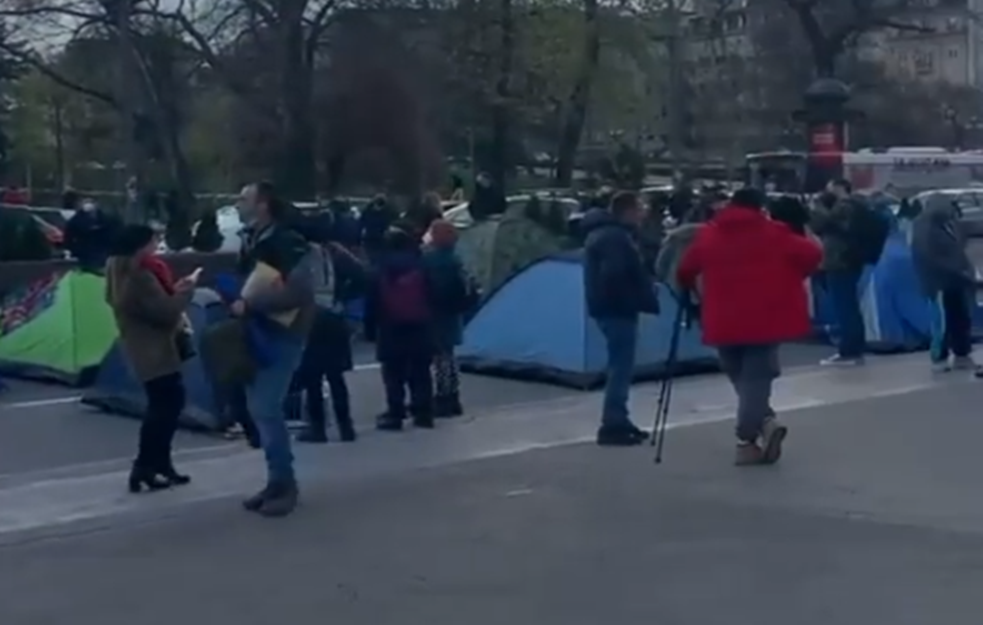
148, 318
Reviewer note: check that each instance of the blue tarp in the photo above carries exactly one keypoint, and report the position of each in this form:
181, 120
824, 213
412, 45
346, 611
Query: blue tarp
536, 326
897, 315
117, 390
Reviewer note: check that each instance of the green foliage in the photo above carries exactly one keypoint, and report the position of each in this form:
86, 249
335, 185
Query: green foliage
207, 237
21, 237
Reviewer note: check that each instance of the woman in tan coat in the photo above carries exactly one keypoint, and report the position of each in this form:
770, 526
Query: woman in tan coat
149, 308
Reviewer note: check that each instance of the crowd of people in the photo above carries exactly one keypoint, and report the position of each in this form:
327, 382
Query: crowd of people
739, 263
286, 332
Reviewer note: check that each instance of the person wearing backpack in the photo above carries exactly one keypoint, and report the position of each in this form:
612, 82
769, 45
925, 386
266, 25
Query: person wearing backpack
399, 316
947, 276
338, 277
454, 296
853, 236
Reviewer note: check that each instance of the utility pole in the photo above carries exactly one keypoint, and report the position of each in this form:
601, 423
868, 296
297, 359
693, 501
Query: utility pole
674, 98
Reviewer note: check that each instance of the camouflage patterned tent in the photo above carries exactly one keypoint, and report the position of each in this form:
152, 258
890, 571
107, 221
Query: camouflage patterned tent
495, 249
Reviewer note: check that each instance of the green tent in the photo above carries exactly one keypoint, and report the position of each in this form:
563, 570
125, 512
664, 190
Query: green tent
57, 328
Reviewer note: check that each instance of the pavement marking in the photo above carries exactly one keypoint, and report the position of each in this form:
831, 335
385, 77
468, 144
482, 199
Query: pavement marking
94, 466
40, 403
58, 401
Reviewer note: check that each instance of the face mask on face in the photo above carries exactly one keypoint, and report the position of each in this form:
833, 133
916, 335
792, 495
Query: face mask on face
88, 206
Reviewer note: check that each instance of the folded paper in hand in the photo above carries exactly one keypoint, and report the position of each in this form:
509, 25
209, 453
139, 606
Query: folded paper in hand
263, 278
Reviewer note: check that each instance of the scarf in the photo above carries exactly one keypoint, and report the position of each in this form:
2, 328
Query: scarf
161, 271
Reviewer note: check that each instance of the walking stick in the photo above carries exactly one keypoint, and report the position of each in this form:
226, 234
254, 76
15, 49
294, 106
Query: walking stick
665, 392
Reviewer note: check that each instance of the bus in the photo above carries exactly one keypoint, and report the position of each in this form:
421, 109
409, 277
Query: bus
906, 171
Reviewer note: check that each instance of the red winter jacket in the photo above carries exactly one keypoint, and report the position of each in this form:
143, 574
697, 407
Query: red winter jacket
752, 273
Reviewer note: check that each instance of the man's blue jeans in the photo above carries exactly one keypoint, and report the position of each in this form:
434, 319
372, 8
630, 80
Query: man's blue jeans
844, 289
265, 401
620, 334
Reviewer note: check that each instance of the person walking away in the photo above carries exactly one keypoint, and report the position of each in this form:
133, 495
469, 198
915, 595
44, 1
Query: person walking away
279, 294
618, 289
752, 272
938, 248
454, 295
399, 314
339, 277
149, 306
834, 221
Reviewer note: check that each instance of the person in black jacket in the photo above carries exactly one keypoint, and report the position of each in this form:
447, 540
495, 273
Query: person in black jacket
618, 289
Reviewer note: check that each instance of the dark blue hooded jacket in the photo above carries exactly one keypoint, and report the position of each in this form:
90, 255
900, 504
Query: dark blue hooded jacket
394, 340
616, 283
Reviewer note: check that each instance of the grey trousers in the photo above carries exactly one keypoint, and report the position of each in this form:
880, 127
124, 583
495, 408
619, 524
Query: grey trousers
751, 370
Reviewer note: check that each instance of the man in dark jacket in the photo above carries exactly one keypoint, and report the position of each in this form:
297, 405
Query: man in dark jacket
947, 276
843, 266
752, 271
285, 308
618, 289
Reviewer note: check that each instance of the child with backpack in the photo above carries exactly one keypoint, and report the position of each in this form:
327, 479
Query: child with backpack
454, 296
399, 315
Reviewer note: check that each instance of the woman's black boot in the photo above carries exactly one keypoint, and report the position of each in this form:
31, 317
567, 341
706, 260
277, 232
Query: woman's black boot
173, 477
141, 477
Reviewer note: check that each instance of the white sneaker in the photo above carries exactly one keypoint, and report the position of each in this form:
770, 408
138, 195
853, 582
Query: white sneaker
941, 366
839, 361
964, 363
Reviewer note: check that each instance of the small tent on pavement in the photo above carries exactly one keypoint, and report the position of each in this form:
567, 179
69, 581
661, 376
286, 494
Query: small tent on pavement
494, 249
536, 326
56, 328
116, 390
897, 315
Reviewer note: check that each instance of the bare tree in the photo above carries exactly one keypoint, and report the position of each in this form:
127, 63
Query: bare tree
293, 32
832, 27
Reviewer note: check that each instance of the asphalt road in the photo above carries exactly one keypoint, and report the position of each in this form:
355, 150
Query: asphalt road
873, 516
42, 427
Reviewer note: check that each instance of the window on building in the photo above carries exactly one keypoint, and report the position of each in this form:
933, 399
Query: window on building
924, 62
953, 53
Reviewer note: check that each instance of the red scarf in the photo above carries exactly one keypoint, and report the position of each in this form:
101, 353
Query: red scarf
161, 271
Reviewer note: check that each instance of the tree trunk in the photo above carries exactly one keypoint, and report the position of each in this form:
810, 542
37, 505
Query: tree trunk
296, 172
575, 115
502, 109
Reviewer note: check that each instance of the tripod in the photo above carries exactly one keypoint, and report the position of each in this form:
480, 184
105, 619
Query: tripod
682, 319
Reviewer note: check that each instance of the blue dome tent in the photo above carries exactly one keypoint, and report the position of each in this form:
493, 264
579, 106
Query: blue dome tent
536, 326
897, 315
117, 391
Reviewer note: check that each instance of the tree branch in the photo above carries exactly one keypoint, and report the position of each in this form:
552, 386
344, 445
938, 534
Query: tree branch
58, 78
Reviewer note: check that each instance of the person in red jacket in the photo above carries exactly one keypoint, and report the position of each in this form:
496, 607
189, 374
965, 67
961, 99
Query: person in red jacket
751, 274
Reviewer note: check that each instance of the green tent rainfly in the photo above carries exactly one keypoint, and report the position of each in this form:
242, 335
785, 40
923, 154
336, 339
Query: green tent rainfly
57, 328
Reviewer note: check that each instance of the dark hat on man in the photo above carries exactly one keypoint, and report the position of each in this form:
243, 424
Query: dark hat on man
131, 239
748, 198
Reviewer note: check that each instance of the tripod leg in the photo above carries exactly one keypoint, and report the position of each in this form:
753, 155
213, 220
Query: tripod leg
665, 396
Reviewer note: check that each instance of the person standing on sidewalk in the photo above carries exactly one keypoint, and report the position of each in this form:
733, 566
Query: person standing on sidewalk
285, 308
751, 272
149, 306
833, 221
618, 289
938, 248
